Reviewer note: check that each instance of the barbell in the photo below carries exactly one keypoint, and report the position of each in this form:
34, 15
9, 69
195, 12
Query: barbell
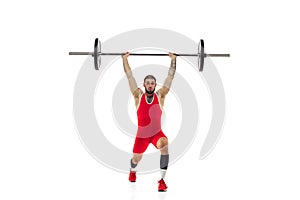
97, 54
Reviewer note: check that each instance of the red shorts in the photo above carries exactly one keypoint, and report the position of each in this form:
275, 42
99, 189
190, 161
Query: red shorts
141, 144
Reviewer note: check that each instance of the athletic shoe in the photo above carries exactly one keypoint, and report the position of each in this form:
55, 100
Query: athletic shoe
162, 187
132, 176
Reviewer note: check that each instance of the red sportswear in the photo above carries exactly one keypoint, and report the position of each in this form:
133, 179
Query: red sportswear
149, 124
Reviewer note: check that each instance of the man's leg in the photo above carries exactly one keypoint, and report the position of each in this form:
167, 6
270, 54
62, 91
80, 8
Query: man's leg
162, 145
133, 163
140, 146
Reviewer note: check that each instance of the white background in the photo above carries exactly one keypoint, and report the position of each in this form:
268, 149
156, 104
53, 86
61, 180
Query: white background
257, 156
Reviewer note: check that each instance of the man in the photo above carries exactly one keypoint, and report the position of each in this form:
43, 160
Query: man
149, 107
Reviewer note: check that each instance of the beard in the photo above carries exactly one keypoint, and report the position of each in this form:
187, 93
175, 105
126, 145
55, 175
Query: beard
149, 92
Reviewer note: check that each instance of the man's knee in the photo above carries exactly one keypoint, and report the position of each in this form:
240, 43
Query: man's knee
162, 143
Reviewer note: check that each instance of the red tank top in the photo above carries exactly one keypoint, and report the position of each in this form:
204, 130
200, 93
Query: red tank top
149, 117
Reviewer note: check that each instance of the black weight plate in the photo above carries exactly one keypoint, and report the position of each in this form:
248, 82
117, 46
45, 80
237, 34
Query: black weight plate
97, 57
201, 55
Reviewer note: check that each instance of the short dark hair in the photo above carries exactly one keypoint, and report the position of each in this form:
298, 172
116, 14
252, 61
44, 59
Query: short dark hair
149, 77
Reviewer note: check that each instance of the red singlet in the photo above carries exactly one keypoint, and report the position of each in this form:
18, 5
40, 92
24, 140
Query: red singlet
149, 124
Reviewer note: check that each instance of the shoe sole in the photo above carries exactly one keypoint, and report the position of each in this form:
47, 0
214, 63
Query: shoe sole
162, 190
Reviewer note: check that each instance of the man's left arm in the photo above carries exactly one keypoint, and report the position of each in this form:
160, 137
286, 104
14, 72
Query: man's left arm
168, 81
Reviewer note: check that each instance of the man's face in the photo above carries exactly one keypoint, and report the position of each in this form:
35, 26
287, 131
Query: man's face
150, 85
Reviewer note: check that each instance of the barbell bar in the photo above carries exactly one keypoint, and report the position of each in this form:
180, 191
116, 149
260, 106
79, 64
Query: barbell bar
147, 54
97, 54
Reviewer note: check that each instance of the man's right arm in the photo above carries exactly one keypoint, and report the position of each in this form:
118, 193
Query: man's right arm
132, 82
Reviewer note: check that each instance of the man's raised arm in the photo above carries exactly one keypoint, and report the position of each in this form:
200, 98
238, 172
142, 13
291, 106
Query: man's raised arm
132, 82
168, 81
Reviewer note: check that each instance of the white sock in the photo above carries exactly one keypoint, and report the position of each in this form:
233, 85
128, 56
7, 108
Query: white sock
132, 169
163, 173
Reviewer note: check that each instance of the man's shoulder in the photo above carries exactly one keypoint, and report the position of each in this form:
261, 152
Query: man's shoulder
138, 92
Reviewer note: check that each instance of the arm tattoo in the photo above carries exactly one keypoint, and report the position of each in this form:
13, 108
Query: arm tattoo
172, 68
171, 74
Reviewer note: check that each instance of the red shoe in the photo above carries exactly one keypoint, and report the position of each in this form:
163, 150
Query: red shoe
132, 176
162, 187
